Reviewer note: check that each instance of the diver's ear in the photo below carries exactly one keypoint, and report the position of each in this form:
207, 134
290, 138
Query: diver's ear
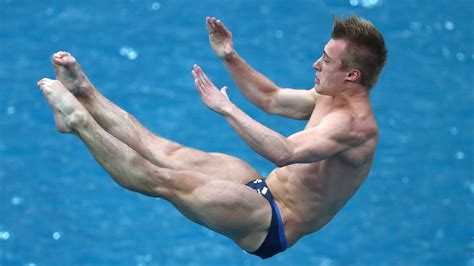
354, 75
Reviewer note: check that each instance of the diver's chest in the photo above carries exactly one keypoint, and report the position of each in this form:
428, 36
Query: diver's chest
318, 114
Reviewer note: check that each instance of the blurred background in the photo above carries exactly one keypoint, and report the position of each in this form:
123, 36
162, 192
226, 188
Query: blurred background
58, 207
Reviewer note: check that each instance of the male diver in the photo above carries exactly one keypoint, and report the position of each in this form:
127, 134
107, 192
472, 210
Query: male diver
318, 168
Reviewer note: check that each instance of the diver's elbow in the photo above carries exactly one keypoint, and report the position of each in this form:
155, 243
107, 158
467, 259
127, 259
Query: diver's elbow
282, 161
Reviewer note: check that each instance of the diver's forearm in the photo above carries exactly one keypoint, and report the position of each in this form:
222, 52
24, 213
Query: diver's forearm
260, 138
255, 86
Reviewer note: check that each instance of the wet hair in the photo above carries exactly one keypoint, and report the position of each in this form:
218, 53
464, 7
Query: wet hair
365, 48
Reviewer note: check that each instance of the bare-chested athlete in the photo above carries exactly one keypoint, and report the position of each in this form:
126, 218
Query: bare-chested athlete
318, 168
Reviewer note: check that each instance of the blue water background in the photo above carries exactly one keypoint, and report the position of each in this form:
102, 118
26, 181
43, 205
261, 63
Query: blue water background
58, 207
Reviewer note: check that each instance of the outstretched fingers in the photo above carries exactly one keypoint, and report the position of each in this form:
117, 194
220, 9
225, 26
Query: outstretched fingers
197, 81
219, 37
201, 78
217, 100
205, 80
222, 29
211, 25
216, 26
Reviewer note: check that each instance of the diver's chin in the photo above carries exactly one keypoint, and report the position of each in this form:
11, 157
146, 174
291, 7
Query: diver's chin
320, 90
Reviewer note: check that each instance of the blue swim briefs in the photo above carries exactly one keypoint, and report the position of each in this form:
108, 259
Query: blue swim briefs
275, 242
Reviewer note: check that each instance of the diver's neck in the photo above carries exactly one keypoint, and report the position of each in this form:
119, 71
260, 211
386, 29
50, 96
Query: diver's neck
351, 96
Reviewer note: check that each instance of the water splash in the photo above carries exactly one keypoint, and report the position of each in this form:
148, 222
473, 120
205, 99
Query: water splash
129, 53
460, 155
4, 235
354, 2
16, 201
11, 110
56, 235
449, 25
155, 6
370, 3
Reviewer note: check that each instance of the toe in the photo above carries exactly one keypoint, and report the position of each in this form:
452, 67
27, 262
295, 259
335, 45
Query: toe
59, 60
42, 82
62, 58
62, 54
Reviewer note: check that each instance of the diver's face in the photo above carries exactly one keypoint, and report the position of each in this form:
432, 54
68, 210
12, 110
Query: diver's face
330, 75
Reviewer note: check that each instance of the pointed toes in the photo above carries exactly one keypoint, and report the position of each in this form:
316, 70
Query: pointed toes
63, 58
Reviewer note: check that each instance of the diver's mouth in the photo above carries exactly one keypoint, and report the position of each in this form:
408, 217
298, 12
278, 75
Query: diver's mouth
316, 78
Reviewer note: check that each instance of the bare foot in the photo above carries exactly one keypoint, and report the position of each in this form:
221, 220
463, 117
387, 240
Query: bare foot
68, 112
69, 73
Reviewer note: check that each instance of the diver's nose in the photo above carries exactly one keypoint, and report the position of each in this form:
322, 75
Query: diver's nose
317, 64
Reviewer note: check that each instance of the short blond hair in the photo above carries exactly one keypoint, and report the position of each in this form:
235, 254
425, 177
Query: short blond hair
365, 48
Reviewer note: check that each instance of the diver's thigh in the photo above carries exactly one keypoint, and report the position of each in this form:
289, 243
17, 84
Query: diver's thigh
217, 165
231, 209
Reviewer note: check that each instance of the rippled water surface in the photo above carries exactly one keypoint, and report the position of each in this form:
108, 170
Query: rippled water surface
58, 207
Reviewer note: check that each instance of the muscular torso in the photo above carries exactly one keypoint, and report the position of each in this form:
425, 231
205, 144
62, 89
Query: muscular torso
309, 195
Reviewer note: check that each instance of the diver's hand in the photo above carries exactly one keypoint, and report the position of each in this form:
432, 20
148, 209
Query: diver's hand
217, 100
219, 37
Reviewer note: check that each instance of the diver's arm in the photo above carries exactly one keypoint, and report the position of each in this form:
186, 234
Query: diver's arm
333, 134
297, 104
